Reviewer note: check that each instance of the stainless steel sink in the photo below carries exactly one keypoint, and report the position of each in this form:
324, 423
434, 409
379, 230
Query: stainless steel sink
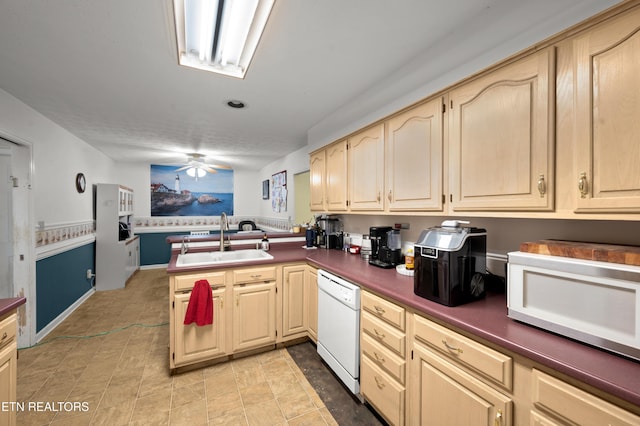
216, 257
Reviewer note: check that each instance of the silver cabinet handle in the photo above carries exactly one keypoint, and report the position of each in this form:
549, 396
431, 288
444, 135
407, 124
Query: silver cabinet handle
498, 420
583, 185
451, 348
378, 334
379, 358
542, 185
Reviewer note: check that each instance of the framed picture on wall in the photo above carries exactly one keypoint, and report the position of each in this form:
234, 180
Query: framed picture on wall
279, 192
265, 189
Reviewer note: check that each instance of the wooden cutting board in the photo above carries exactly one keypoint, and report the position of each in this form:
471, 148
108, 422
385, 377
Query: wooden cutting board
628, 255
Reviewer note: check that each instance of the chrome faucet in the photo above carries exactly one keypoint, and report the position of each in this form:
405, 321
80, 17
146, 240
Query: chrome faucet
184, 247
224, 226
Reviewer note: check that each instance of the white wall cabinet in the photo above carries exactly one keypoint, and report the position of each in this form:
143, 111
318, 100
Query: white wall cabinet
116, 259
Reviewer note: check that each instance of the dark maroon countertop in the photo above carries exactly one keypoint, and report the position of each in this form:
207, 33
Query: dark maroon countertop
7, 305
485, 318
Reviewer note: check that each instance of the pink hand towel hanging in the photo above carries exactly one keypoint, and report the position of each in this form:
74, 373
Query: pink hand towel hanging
200, 307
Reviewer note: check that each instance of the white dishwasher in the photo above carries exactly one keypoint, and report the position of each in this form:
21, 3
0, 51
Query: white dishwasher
339, 327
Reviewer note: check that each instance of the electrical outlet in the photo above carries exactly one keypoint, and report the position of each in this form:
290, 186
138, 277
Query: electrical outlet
89, 274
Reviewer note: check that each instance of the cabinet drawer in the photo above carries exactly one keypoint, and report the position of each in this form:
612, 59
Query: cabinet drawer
484, 361
383, 333
383, 309
8, 329
384, 358
570, 403
186, 282
381, 391
254, 275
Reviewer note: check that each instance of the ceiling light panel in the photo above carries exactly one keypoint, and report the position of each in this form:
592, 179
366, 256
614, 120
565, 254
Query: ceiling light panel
219, 35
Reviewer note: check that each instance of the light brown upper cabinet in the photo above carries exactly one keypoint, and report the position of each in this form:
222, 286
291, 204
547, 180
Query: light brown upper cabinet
336, 177
328, 178
414, 159
366, 169
501, 138
317, 176
607, 103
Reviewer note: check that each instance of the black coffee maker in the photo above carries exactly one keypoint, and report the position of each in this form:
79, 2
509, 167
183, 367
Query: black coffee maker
378, 236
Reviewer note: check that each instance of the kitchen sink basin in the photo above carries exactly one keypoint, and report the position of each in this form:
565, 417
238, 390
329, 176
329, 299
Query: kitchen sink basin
216, 257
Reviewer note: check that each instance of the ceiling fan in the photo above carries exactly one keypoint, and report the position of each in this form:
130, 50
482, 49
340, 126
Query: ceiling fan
196, 167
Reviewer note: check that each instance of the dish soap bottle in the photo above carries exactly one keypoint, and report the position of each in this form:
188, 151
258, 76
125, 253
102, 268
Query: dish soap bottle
264, 244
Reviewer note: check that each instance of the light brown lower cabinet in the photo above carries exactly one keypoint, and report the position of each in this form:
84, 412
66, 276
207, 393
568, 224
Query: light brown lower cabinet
295, 317
445, 388
254, 315
8, 367
253, 308
556, 402
311, 281
195, 343
382, 360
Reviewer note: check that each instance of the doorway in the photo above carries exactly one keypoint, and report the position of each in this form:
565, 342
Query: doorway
6, 222
17, 243
302, 197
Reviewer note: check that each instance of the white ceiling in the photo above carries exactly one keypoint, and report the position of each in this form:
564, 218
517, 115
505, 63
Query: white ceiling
106, 70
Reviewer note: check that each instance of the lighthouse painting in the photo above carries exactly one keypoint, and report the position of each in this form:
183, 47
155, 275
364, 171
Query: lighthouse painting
174, 193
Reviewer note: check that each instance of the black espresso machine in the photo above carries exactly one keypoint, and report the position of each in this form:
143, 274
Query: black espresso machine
450, 263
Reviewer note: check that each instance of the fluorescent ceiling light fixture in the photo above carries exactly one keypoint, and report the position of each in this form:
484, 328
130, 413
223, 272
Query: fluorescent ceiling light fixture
219, 35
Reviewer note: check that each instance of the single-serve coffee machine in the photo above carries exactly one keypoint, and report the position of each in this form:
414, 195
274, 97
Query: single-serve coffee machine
328, 232
386, 246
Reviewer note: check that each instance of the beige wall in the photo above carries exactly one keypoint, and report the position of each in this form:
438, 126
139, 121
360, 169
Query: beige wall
302, 198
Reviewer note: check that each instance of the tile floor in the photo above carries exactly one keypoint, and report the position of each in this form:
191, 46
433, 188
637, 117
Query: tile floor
122, 377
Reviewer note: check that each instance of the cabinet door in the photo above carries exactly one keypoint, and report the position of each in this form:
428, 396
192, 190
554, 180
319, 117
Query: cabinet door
294, 316
336, 177
317, 164
312, 302
254, 315
502, 138
197, 343
382, 391
8, 378
414, 159
607, 101
446, 395
366, 170
573, 405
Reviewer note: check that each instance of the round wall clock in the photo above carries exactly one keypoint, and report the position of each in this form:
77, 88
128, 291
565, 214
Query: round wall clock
81, 182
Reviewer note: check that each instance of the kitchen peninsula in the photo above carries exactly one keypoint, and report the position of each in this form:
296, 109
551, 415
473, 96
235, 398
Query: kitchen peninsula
599, 374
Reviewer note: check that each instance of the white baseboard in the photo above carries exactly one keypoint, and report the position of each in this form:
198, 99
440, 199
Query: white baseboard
158, 266
57, 320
